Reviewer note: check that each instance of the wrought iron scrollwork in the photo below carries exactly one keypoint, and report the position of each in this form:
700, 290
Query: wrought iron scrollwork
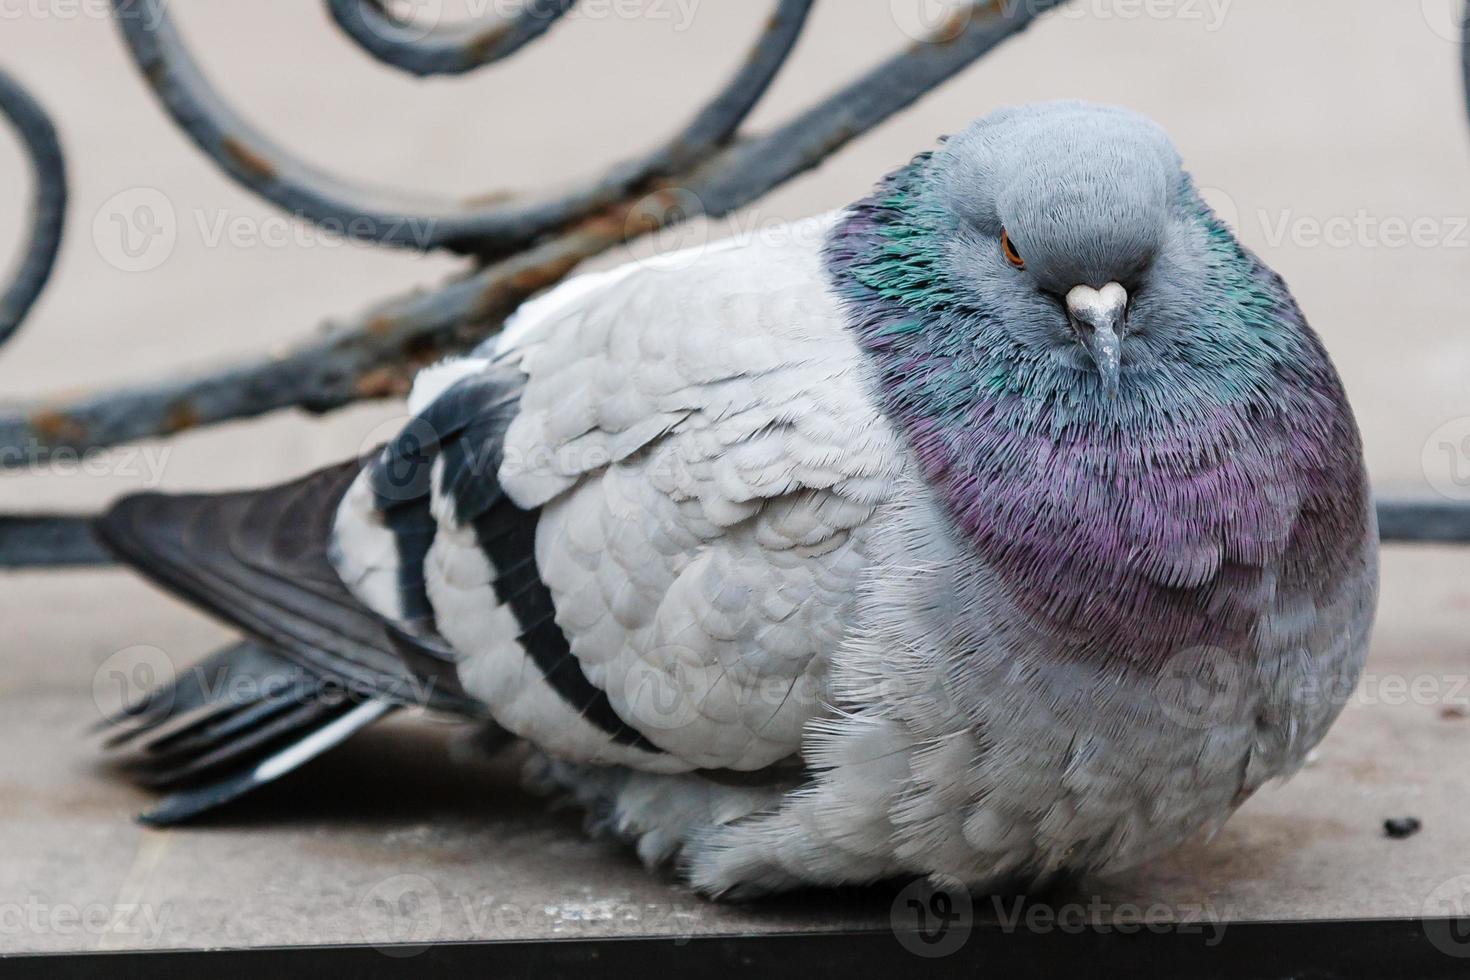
521, 245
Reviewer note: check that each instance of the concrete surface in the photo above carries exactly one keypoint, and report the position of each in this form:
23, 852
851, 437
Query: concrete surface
1330, 129
398, 837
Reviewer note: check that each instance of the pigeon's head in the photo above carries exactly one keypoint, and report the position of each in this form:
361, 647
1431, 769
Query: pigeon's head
1057, 218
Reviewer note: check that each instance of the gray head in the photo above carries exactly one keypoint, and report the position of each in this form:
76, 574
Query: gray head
1064, 210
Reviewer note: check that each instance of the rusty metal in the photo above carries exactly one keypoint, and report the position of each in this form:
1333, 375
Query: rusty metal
372, 355
524, 245
484, 227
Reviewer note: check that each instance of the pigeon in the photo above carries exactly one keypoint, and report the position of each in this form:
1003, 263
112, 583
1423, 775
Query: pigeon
1008, 525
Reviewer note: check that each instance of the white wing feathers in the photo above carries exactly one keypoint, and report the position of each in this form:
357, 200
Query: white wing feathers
699, 438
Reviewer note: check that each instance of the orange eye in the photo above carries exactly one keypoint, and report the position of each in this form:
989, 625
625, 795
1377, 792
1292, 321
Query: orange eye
1008, 247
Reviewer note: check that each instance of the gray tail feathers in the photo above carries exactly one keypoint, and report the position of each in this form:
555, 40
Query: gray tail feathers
319, 666
231, 724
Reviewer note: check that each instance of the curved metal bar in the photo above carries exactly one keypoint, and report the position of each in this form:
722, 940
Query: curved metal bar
717, 122
48, 204
749, 169
357, 211
444, 49
711, 129
376, 355
420, 222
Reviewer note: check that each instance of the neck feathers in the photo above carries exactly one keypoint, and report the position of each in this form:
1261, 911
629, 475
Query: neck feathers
1167, 519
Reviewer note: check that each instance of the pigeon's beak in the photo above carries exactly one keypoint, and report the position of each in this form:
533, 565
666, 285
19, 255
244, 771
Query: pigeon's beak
1100, 316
